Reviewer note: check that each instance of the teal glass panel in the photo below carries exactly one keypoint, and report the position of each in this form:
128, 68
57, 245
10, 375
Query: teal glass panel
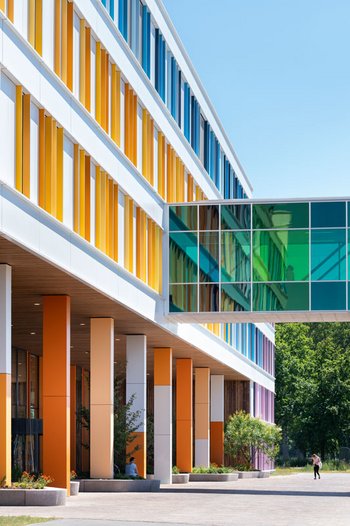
235, 256
235, 217
281, 215
328, 296
328, 214
328, 255
209, 297
183, 257
280, 255
182, 218
209, 256
208, 217
235, 297
280, 296
183, 298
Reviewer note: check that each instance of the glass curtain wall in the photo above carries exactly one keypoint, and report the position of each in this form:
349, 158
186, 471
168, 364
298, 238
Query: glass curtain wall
258, 257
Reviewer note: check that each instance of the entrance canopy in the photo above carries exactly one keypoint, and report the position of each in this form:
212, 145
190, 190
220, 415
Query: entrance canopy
259, 261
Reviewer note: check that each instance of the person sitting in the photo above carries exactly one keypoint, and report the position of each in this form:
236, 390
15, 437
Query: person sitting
131, 468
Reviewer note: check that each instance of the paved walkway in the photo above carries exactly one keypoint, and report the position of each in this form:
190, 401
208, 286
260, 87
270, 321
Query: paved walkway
295, 500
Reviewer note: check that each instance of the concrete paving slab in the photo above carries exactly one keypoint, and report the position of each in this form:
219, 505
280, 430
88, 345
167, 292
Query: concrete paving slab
295, 500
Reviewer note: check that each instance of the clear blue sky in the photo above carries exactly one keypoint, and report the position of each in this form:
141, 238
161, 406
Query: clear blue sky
278, 75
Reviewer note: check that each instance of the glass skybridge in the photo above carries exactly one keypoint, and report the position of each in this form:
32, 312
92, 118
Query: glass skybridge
257, 260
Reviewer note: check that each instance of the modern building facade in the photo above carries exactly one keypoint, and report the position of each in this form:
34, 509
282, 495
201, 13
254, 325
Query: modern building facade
104, 122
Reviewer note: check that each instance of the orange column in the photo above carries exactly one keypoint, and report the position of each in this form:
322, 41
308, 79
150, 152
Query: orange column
163, 414
184, 426
5, 373
73, 416
217, 419
56, 389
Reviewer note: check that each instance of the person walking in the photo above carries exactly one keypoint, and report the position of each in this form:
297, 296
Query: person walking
316, 461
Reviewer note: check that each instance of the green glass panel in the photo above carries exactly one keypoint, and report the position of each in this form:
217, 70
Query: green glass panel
280, 296
234, 217
235, 256
235, 297
328, 256
209, 256
209, 297
281, 215
183, 257
328, 296
183, 218
183, 298
328, 214
208, 217
281, 255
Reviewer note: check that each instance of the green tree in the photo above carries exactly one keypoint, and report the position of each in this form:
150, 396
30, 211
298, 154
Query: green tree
126, 423
313, 386
246, 437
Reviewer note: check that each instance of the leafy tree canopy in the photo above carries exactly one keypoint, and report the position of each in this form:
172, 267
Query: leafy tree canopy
313, 385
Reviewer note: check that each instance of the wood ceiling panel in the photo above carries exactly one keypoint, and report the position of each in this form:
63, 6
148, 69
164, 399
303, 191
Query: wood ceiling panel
32, 278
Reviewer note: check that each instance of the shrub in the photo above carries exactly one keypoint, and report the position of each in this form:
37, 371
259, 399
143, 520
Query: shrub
28, 481
176, 470
213, 468
246, 437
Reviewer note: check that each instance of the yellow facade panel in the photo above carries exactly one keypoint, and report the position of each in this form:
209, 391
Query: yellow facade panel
26, 145
76, 189
70, 14
64, 43
31, 21
82, 64
87, 198
39, 26
42, 158
115, 222
57, 38
88, 68
19, 138
60, 142
81, 193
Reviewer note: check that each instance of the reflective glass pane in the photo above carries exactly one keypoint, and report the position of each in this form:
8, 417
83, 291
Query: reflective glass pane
281, 255
183, 218
235, 256
235, 297
209, 256
183, 298
280, 296
328, 296
235, 217
328, 257
209, 297
209, 217
281, 215
183, 257
327, 214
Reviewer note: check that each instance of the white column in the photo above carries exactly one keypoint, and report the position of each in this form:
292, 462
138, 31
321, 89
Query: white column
163, 428
101, 397
5, 373
136, 383
202, 436
217, 419
251, 398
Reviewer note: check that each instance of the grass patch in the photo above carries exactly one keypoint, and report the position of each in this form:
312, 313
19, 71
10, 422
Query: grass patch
23, 520
327, 467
